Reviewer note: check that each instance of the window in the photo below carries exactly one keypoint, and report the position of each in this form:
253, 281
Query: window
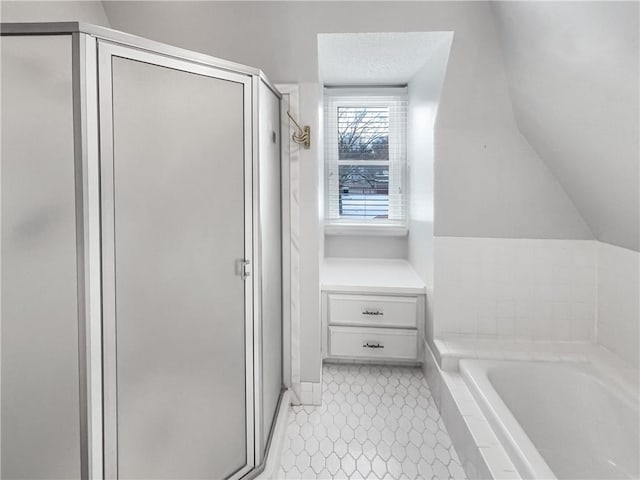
365, 154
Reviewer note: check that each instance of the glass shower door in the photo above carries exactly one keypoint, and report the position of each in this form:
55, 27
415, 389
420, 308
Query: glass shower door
271, 256
40, 415
176, 227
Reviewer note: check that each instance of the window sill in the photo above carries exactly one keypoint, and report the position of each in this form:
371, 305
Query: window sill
366, 230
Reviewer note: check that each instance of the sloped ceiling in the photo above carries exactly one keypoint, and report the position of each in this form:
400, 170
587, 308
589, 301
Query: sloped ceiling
572, 69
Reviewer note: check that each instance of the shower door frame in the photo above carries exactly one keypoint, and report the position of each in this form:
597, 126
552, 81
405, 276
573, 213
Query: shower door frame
88, 137
106, 50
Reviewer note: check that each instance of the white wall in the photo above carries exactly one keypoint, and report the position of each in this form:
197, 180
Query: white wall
497, 187
618, 301
53, 11
359, 246
424, 94
310, 237
516, 288
366, 246
489, 182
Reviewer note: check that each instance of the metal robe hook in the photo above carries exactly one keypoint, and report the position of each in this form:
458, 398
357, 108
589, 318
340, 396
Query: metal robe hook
303, 137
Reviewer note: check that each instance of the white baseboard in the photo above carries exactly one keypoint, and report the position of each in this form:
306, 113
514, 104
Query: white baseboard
272, 461
311, 393
296, 393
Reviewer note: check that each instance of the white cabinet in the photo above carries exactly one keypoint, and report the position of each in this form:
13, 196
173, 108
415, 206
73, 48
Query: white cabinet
363, 342
372, 310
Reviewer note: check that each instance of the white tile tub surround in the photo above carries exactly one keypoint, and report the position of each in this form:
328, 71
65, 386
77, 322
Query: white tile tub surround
450, 350
479, 449
375, 422
515, 288
618, 301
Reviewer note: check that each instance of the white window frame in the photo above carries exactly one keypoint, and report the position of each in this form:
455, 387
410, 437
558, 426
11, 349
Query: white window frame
396, 99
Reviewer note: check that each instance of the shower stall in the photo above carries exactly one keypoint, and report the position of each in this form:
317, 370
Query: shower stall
141, 258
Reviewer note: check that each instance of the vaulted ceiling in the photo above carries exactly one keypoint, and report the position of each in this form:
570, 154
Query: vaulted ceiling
572, 69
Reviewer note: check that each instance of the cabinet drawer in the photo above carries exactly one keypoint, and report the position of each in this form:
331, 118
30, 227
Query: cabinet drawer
373, 342
372, 310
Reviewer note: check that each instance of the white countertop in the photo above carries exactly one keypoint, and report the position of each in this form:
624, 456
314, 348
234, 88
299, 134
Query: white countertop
370, 275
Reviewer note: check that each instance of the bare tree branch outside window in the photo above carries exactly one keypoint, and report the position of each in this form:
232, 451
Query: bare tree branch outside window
363, 142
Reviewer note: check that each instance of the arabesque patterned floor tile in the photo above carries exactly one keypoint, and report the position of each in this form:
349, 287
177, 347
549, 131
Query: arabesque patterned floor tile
375, 422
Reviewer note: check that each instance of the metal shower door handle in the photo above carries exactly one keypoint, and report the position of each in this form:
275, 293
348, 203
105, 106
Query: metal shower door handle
243, 268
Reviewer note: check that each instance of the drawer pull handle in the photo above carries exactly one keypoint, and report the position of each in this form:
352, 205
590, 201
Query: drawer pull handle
368, 345
369, 312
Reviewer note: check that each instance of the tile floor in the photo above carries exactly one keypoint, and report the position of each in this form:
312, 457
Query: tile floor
374, 422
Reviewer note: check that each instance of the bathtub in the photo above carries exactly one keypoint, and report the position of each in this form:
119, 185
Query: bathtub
558, 420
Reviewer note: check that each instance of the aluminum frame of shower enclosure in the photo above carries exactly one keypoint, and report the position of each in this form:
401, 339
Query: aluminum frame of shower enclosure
91, 138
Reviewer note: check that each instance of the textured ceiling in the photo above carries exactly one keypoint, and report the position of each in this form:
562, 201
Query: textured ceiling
572, 70
375, 58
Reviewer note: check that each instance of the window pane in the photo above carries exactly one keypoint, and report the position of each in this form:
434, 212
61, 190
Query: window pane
364, 191
363, 133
